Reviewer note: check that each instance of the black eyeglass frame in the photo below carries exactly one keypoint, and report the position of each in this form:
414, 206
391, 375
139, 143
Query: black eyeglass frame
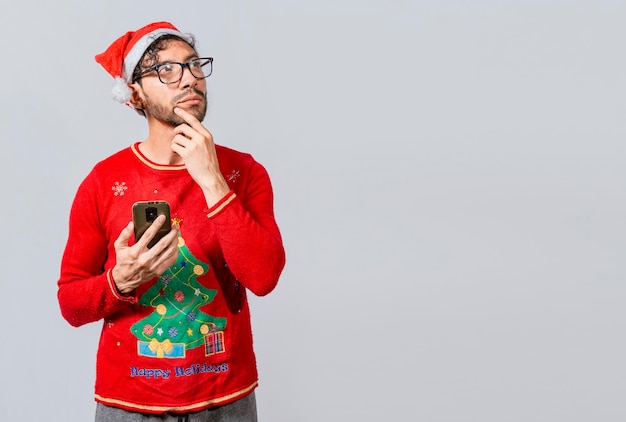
209, 60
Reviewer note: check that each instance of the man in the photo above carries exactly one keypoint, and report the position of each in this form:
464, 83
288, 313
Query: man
176, 342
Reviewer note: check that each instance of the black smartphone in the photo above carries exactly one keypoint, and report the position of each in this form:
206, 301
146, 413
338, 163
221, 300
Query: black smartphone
144, 214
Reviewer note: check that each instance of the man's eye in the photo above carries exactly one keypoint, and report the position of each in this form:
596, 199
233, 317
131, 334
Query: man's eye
166, 68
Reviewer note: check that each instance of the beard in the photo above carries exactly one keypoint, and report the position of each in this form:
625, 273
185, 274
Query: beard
165, 113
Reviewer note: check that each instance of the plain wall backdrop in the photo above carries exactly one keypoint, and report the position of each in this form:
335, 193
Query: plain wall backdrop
449, 180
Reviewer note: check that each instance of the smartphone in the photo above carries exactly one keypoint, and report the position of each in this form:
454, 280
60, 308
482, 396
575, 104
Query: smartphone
144, 214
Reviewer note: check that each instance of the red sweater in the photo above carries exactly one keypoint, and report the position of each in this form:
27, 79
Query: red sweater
182, 342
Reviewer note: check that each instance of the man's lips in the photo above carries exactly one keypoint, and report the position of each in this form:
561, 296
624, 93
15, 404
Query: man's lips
191, 100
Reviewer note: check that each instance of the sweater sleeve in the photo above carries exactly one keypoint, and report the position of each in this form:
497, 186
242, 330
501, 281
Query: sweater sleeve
248, 233
86, 291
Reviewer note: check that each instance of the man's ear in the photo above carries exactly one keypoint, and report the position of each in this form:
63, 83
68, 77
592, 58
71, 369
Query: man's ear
136, 96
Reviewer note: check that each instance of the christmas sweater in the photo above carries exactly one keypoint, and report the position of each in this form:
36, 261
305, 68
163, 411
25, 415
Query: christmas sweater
183, 341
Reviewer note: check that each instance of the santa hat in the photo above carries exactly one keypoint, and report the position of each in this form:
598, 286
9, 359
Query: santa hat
121, 58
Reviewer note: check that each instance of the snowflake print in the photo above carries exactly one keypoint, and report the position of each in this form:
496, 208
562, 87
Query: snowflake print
119, 188
233, 176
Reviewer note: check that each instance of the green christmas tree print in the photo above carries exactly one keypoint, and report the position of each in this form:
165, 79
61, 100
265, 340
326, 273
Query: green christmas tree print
177, 323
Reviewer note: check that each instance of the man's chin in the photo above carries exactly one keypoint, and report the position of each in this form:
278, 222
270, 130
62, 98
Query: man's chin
196, 111
175, 120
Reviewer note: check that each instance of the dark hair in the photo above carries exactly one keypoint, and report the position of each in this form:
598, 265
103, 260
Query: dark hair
150, 56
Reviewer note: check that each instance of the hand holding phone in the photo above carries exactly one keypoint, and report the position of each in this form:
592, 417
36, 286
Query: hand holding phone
144, 214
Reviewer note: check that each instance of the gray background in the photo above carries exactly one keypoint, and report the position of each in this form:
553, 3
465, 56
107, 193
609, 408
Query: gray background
449, 182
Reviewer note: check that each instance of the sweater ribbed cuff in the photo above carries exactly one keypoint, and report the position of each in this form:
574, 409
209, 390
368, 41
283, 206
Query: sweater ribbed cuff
221, 204
116, 292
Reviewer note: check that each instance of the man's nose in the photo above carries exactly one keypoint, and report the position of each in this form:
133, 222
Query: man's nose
187, 79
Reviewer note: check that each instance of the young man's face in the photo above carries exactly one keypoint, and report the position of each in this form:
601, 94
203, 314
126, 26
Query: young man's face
189, 93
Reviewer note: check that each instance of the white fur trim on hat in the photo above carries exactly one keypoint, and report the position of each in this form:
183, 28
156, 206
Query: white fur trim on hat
134, 55
121, 92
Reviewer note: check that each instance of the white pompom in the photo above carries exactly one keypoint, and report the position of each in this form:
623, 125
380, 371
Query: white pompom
121, 92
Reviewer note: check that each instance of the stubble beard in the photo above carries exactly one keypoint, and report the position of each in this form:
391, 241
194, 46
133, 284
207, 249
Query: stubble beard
166, 114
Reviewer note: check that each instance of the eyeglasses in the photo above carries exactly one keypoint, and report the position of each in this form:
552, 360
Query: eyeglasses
172, 72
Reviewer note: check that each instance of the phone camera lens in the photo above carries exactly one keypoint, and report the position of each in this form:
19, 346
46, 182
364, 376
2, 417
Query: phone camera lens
151, 214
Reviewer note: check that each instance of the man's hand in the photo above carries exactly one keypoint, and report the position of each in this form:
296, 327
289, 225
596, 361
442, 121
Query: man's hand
137, 264
194, 143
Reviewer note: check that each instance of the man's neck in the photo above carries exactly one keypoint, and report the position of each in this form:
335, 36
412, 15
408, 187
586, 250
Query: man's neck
157, 146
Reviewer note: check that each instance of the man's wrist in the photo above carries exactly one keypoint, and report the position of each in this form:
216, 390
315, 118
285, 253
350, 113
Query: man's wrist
117, 292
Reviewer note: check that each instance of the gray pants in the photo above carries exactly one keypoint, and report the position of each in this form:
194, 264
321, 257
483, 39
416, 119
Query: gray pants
242, 410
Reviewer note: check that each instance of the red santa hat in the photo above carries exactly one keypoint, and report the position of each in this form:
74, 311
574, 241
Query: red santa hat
121, 58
